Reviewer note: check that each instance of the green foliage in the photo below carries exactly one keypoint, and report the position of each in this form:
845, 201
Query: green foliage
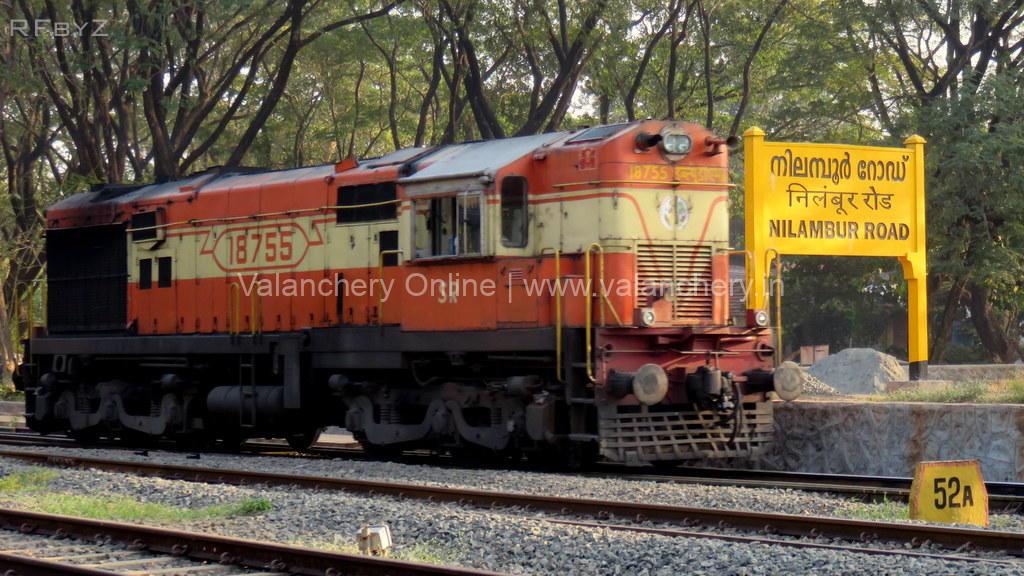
27, 480
29, 487
952, 394
885, 511
828, 70
976, 150
123, 508
842, 302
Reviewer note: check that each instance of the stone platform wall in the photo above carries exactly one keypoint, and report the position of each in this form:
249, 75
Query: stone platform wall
976, 372
888, 439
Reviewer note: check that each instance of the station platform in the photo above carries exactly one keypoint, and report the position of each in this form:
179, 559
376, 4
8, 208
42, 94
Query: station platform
844, 436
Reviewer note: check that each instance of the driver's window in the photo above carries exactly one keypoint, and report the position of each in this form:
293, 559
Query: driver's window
448, 226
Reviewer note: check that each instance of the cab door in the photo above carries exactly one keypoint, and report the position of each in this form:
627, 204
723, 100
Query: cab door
517, 274
367, 226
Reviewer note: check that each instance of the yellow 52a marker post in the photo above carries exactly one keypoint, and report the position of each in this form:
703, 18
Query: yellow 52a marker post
952, 492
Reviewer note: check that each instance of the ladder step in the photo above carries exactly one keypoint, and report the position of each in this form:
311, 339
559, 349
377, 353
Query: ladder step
581, 400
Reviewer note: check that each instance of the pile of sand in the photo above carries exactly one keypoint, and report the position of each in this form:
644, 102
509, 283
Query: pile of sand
858, 371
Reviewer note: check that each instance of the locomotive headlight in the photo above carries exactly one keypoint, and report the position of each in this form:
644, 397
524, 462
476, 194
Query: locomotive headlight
761, 318
676, 143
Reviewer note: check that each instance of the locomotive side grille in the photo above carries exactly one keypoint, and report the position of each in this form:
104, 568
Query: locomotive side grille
87, 277
683, 268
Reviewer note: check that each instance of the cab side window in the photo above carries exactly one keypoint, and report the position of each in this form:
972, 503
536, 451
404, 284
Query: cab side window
514, 215
448, 226
367, 203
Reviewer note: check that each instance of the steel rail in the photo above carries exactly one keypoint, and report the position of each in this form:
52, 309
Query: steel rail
677, 533
222, 549
27, 566
1003, 496
775, 523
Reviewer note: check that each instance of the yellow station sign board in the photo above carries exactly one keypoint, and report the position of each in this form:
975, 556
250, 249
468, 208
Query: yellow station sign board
952, 492
837, 200
828, 199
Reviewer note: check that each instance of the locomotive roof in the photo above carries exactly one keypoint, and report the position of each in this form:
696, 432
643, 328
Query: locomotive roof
467, 159
478, 158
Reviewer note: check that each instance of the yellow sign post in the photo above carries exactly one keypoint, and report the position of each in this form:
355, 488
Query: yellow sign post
952, 492
838, 200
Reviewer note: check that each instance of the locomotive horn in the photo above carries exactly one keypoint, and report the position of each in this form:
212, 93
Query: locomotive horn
715, 144
645, 140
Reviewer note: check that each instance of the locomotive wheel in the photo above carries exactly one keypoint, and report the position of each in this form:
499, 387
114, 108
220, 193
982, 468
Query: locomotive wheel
471, 454
380, 452
136, 439
230, 441
579, 456
302, 441
193, 442
85, 436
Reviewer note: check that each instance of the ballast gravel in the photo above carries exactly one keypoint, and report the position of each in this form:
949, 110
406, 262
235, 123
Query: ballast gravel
501, 540
600, 487
505, 540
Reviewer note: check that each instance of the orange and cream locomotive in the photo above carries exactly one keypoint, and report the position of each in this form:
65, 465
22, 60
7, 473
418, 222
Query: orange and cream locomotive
561, 294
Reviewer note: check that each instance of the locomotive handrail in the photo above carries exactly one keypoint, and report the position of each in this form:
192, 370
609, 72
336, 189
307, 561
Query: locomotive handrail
558, 310
30, 298
588, 311
778, 299
770, 254
368, 205
234, 308
603, 297
558, 315
601, 291
235, 312
256, 326
747, 261
258, 215
380, 274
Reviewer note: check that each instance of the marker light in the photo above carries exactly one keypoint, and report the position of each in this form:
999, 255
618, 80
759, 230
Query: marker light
647, 317
761, 318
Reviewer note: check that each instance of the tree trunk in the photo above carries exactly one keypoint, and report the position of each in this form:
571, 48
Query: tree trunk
7, 348
989, 327
709, 89
945, 327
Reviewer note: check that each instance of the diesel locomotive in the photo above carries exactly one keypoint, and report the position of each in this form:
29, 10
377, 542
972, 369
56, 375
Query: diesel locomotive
564, 294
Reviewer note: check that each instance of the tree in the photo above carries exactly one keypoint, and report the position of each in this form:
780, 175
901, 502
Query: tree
950, 61
195, 68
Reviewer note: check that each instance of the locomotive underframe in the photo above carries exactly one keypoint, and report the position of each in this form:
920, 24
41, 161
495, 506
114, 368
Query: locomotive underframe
391, 389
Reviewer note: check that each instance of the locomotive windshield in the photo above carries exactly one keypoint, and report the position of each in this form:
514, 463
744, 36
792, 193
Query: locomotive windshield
596, 133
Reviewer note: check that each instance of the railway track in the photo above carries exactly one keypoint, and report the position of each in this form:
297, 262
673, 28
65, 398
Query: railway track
33, 544
609, 514
1003, 496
